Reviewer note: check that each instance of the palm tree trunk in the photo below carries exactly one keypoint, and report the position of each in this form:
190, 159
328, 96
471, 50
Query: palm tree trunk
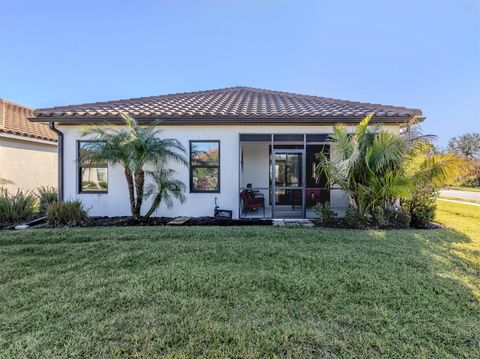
131, 189
139, 184
155, 204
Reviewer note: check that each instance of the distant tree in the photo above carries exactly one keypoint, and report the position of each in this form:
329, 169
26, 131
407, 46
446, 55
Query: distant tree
467, 145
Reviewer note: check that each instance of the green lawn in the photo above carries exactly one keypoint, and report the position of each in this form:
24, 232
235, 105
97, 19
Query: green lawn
243, 292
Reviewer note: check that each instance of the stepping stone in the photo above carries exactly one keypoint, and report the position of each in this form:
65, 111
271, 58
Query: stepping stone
22, 226
293, 223
178, 221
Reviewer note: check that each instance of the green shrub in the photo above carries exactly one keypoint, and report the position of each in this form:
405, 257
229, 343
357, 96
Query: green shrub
421, 205
423, 214
15, 208
378, 216
69, 213
46, 196
354, 218
396, 218
325, 213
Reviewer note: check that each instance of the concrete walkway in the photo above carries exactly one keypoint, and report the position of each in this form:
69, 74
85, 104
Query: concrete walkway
454, 201
460, 194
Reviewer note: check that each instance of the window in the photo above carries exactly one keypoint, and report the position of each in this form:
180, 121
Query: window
92, 179
205, 166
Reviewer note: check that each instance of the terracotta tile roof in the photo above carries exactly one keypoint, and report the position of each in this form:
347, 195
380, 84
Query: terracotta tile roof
230, 104
14, 121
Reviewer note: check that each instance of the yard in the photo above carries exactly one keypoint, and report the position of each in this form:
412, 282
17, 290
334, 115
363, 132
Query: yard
243, 291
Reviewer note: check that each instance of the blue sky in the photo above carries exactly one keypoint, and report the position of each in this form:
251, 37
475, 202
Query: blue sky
422, 54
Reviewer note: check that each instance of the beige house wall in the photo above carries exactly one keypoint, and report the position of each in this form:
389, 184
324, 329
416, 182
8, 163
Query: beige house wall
27, 164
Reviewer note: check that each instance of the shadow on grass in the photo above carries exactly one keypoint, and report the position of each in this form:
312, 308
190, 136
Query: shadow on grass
452, 251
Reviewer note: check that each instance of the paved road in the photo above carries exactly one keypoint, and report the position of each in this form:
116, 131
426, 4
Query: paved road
460, 194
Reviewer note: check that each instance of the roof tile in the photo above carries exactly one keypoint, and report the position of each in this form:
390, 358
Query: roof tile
229, 103
14, 120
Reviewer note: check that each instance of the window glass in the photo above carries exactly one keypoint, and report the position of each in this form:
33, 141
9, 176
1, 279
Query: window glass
92, 178
86, 147
205, 166
205, 179
205, 153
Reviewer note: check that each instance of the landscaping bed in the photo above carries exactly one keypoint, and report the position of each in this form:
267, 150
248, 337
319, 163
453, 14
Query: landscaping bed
9, 226
369, 225
123, 221
128, 221
162, 221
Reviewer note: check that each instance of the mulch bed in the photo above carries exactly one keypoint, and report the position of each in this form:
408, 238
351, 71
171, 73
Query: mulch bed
33, 220
124, 221
341, 223
162, 221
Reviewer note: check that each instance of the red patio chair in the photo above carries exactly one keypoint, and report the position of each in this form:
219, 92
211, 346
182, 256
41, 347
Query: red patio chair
250, 202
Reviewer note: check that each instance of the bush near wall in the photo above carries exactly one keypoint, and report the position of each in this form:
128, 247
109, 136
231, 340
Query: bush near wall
46, 196
16, 208
66, 214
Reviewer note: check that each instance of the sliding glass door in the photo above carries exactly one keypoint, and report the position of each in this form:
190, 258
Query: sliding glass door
288, 183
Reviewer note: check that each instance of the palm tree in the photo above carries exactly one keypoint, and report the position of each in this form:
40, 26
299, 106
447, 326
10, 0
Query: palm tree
366, 164
426, 172
376, 168
164, 188
133, 148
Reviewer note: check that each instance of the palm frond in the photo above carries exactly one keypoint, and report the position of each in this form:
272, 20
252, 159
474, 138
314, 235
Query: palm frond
164, 188
341, 141
362, 128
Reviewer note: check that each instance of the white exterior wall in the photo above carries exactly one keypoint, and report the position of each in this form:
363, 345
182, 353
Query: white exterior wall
27, 164
256, 164
116, 203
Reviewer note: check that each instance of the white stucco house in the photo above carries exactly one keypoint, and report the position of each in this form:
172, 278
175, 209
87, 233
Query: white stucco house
251, 150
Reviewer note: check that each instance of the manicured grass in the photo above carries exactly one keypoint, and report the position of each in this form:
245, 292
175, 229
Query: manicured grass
242, 291
463, 218
465, 264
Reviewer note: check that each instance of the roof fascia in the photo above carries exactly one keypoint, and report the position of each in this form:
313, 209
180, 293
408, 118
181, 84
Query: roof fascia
309, 121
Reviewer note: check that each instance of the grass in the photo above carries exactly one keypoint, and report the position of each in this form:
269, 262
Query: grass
468, 189
242, 292
460, 199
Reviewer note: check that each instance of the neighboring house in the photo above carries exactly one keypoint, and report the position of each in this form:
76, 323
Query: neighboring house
236, 138
28, 151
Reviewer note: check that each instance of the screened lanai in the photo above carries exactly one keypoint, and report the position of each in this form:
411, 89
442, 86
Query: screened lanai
278, 177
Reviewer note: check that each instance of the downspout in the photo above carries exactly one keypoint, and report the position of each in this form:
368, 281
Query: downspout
60, 159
